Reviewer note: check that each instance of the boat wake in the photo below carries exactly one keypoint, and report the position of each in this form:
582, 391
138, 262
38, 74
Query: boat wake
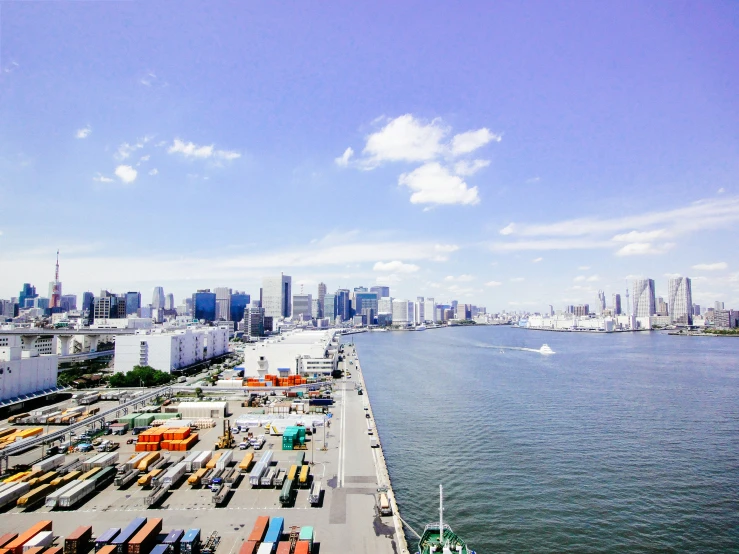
544, 350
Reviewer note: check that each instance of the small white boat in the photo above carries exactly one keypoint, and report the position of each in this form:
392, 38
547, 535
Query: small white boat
545, 350
421, 328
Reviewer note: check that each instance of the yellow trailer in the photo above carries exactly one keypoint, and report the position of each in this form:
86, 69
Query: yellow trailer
86, 476
195, 478
64, 479
34, 495
18, 477
145, 480
150, 459
304, 477
246, 462
293, 473
214, 460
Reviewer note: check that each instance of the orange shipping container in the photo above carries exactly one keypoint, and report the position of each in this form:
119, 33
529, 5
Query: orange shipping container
34, 550
259, 529
108, 549
6, 538
16, 545
54, 550
301, 547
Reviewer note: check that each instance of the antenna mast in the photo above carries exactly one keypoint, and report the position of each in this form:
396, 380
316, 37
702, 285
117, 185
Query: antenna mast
56, 273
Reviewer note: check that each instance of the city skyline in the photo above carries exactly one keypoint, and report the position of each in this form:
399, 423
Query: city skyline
600, 149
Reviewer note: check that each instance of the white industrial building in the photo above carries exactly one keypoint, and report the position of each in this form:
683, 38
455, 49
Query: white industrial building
403, 312
300, 352
28, 368
169, 350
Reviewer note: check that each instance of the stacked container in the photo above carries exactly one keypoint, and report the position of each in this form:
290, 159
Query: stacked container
78, 542
106, 538
190, 543
172, 541
143, 541
120, 542
16, 545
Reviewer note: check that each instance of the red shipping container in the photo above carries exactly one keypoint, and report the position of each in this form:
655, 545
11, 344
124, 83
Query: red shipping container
302, 547
16, 545
283, 547
259, 529
249, 547
6, 538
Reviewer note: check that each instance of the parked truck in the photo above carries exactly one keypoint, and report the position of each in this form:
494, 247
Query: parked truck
260, 469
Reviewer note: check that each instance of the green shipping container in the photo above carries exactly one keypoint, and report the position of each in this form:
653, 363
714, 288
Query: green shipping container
144, 420
168, 416
306, 534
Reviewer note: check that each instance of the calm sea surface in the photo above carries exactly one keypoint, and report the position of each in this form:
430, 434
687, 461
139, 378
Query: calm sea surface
617, 443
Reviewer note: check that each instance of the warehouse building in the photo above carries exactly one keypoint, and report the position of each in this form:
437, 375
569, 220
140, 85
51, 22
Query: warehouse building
28, 368
298, 352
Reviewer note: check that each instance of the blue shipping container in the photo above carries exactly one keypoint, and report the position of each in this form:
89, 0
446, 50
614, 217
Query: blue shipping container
160, 549
274, 533
121, 541
173, 540
105, 538
190, 543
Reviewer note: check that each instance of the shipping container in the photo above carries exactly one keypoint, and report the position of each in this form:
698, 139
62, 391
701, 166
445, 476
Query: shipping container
274, 531
214, 460
266, 548
78, 541
292, 474
148, 460
301, 547
307, 535
246, 462
190, 543
33, 549
260, 469
34, 496
6, 538
135, 460
300, 459
286, 495
104, 477
106, 538
249, 547
13, 493
143, 541
173, 475
49, 463
108, 549
202, 460
160, 549
268, 478
42, 539
16, 545
54, 550
259, 529
191, 457
314, 497
88, 474
304, 478
225, 459
53, 497
76, 495
283, 547
172, 541
66, 478
121, 540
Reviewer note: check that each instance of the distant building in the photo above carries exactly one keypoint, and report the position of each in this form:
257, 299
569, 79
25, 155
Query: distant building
403, 312
660, 307
381, 291
617, 304
27, 368
329, 307
157, 298
239, 302
343, 304
601, 302
254, 321
643, 298
716, 306
204, 305
277, 296
169, 302
28, 291
105, 306
581, 310
302, 306
680, 298
223, 303
364, 300
385, 305
726, 319
315, 309
321, 296
69, 302
133, 302
696, 309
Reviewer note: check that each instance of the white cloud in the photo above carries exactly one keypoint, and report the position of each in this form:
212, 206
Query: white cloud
579, 278
517, 279
405, 138
126, 173
154, 171
643, 248
533, 180
343, 160
446, 248
549, 244
464, 143
395, 266
433, 184
672, 275
126, 149
493, 284
508, 229
465, 167
83, 133
721, 190
461, 278
718, 266
100, 178
192, 150
593, 279
640, 236
584, 267
145, 158
537, 260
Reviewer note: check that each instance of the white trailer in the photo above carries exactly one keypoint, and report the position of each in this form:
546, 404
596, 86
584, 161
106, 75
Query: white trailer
13, 493
202, 460
49, 463
53, 497
260, 469
106, 460
73, 496
173, 475
190, 459
42, 539
135, 460
268, 478
314, 497
225, 459
87, 465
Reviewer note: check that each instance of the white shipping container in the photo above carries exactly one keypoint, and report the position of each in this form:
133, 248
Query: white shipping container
136, 460
13, 493
225, 459
44, 539
87, 464
266, 548
49, 463
173, 475
191, 457
202, 409
108, 459
53, 497
202, 460
76, 494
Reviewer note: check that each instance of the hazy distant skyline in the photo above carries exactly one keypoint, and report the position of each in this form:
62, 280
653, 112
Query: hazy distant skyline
512, 155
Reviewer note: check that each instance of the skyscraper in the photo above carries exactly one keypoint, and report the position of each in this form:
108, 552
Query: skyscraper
643, 297
302, 304
254, 321
680, 300
601, 302
28, 291
223, 303
87, 301
343, 304
381, 290
133, 302
204, 305
69, 302
277, 296
157, 298
169, 302
321, 295
329, 307
429, 310
616, 304
239, 302
364, 300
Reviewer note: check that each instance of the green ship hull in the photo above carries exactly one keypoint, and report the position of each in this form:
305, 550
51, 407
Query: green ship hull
430, 542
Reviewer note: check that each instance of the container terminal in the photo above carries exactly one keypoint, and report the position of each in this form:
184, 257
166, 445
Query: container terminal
325, 478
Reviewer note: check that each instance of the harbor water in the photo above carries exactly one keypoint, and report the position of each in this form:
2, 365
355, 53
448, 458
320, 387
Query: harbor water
616, 443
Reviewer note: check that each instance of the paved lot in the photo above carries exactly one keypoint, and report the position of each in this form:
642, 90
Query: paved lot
347, 521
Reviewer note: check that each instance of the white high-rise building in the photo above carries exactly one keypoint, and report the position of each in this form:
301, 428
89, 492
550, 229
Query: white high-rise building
302, 305
385, 305
429, 310
321, 296
277, 296
680, 300
169, 302
403, 312
601, 302
644, 301
223, 303
157, 298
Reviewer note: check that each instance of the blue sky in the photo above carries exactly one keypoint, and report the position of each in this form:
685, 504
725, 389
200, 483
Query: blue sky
507, 154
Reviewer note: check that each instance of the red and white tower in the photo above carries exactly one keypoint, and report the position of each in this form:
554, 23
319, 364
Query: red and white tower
56, 287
